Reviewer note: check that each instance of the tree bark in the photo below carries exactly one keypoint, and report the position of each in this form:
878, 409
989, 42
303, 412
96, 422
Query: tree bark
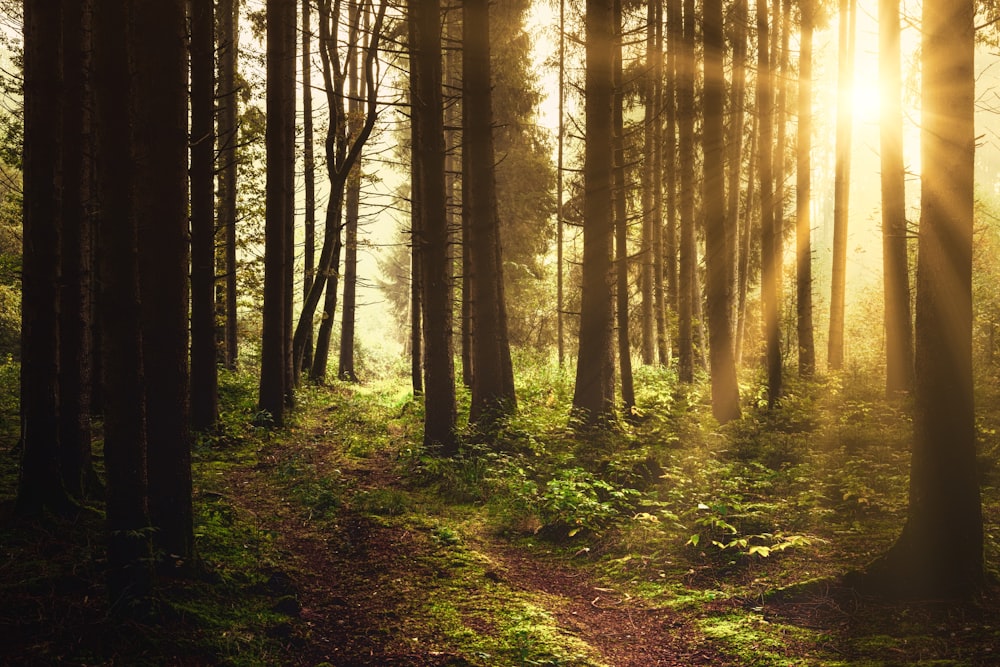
493, 379
803, 195
686, 251
895, 263
842, 183
160, 163
204, 369
621, 230
594, 393
725, 390
228, 138
940, 550
769, 233
308, 176
427, 116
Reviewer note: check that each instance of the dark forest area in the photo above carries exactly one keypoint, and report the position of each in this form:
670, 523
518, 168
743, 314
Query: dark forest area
543, 332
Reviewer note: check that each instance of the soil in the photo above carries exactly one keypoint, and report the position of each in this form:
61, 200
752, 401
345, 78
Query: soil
353, 578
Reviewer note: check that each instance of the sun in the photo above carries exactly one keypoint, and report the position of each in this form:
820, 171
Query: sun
865, 98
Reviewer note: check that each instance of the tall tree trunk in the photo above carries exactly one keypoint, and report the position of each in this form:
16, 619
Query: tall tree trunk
686, 264
594, 394
659, 269
745, 237
803, 194
75, 302
128, 574
427, 115
618, 191
204, 369
895, 264
940, 551
39, 485
725, 390
228, 139
769, 233
779, 79
493, 380
280, 156
649, 147
160, 163
734, 155
560, 305
674, 38
842, 182
345, 365
308, 176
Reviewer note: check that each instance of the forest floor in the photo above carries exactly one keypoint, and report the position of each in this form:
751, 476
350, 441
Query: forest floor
337, 541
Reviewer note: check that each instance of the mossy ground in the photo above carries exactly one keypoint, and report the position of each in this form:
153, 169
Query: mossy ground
671, 541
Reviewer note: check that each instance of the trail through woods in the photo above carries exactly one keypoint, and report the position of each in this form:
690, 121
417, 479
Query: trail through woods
358, 583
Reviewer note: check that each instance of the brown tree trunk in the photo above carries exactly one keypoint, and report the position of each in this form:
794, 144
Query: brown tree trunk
940, 551
803, 193
725, 390
618, 190
769, 233
493, 380
842, 183
308, 176
228, 138
659, 268
686, 264
560, 292
594, 394
280, 156
39, 485
204, 371
895, 263
160, 196
427, 115
649, 147
128, 573
734, 155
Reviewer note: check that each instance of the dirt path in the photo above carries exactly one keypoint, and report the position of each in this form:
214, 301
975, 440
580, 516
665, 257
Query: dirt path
352, 581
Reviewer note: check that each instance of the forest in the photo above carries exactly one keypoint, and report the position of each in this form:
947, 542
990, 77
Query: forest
606, 333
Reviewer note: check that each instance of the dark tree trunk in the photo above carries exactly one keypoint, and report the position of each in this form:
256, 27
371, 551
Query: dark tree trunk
39, 486
160, 196
670, 250
560, 291
686, 264
618, 191
649, 148
228, 138
659, 269
204, 356
280, 156
427, 116
493, 380
594, 394
345, 366
308, 176
769, 235
842, 183
746, 228
803, 193
725, 390
940, 551
75, 303
128, 573
734, 155
895, 263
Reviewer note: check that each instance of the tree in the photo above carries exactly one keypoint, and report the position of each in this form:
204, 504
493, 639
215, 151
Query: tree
160, 198
650, 214
770, 235
40, 486
718, 239
308, 176
560, 306
842, 182
734, 155
435, 273
75, 255
493, 377
594, 393
280, 163
204, 369
940, 550
127, 520
686, 250
803, 193
620, 195
895, 263
345, 364
228, 138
